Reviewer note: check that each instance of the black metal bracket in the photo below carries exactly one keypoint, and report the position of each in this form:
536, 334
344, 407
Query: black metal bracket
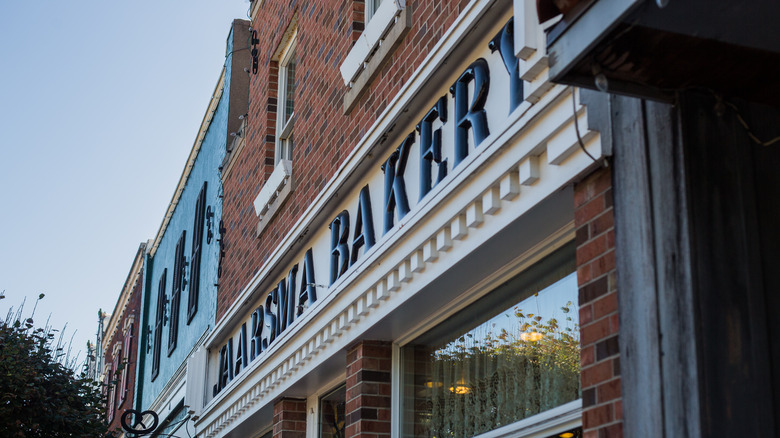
144, 429
209, 224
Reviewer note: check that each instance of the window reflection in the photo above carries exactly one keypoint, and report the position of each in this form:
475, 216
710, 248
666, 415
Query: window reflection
332, 413
481, 370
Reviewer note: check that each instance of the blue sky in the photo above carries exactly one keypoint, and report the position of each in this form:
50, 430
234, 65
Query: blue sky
101, 103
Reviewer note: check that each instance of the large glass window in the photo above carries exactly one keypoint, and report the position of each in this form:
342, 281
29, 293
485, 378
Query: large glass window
512, 354
332, 413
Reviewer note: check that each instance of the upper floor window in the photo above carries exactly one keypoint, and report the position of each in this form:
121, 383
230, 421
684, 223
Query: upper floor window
277, 186
116, 366
178, 285
108, 390
286, 99
127, 343
158, 325
197, 246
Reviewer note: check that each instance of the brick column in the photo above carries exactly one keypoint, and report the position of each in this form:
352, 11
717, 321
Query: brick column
598, 295
290, 418
368, 389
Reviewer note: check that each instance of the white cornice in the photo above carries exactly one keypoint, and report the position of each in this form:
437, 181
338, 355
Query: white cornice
204, 126
124, 297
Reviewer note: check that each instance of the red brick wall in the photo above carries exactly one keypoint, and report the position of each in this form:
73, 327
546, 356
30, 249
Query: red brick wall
368, 390
289, 418
133, 308
598, 295
324, 136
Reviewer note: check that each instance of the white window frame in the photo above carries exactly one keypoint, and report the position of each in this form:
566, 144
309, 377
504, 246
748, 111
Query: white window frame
284, 128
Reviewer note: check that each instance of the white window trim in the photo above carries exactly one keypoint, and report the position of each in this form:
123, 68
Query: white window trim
117, 349
284, 128
272, 188
550, 422
313, 405
279, 184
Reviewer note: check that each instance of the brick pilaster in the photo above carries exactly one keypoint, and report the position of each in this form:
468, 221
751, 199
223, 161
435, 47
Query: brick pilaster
598, 295
290, 418
368, 390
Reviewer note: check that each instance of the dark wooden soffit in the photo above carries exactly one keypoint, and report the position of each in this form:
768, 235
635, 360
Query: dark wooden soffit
731, 47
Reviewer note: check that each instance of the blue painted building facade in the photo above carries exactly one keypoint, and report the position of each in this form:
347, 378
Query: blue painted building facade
182, 262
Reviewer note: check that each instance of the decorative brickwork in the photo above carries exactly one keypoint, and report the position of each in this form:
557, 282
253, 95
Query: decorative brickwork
290, 418
597, 278
368, 390
323, 134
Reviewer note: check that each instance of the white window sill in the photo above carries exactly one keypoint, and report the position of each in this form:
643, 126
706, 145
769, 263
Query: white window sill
388, 36
375, 30
274, 192
551, 422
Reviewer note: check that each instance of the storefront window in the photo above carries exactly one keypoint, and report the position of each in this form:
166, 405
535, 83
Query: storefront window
512, 354
332, 413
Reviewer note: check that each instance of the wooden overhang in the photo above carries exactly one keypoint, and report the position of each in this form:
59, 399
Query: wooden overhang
655, 48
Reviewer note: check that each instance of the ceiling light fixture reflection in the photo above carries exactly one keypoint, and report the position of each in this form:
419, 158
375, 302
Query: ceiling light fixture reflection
460, 387
531, 336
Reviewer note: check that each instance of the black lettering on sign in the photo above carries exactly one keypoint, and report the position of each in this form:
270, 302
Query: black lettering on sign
225, 364
364, 226
241, 353
269, 332
339, 246
256, 344
308, 294
285, 312
395, 187
470, 116
430, 146
504, 42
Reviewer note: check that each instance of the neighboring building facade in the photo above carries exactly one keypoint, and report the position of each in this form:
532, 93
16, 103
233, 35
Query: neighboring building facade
182, 261
120, 344
402, 232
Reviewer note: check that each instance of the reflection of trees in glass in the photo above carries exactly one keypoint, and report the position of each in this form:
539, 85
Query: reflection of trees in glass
332, 413
480, 382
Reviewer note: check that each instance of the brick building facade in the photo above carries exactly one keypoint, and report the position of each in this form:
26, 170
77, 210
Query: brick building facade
314, 164
328, 135
120, 344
